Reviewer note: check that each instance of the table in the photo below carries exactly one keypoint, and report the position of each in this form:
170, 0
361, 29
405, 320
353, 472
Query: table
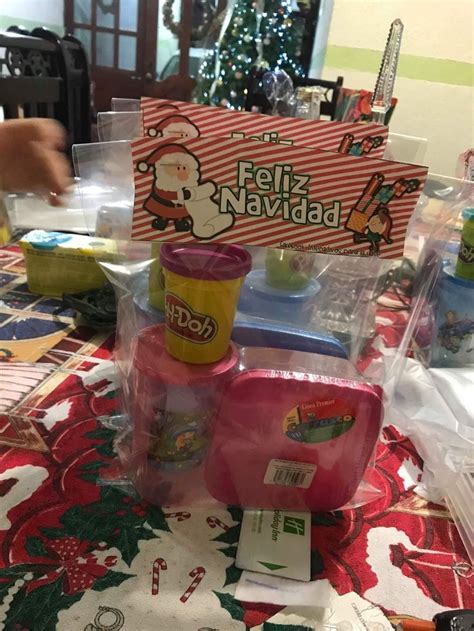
79, 553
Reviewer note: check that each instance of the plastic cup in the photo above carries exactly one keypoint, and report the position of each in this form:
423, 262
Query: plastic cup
172, 405
454, 341
202, 291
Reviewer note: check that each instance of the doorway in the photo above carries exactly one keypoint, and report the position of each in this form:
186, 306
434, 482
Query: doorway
120, 40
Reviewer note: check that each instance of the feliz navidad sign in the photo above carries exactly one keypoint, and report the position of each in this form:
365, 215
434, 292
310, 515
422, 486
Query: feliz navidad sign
222, 190
172, 120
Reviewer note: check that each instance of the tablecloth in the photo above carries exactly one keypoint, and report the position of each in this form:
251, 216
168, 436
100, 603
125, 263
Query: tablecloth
77, 553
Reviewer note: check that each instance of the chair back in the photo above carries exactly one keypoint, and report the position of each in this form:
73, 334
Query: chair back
45, 75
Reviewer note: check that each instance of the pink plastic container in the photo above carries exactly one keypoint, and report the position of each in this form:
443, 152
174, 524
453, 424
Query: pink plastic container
298, 439
173, 405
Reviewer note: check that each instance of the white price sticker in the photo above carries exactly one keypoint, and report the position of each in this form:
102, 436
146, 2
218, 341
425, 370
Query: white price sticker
290, 473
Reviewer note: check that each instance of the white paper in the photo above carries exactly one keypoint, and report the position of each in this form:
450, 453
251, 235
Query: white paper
262, 588
276, 542
349, 612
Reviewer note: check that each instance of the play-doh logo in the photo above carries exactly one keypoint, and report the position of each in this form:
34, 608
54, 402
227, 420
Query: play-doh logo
186, 323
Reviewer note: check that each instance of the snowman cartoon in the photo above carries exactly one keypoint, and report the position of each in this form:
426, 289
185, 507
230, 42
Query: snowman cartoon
174, 126
178, 194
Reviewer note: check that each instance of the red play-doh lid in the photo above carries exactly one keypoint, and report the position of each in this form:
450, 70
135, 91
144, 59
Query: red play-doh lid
206, 262
151, 358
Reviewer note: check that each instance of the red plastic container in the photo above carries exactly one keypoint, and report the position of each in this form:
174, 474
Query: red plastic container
292, 439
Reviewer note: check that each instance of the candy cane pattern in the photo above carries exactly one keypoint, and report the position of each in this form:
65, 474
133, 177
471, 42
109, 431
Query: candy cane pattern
179, 516
158, 565
214, 522
197, 575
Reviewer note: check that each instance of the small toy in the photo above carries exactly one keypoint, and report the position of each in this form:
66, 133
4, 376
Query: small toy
202, 290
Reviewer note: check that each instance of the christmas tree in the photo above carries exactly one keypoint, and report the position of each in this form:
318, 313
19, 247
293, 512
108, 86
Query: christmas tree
224, 72
281, 38
263, 37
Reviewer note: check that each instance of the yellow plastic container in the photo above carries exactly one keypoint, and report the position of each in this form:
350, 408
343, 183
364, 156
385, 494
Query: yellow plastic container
58, 263
202, 291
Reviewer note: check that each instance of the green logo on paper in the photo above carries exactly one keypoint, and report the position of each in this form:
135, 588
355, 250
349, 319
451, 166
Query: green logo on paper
293, 526
272, 566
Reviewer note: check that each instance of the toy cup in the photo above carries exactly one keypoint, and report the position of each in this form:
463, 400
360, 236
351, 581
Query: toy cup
454, 341
173, 405
289, 270
202, 291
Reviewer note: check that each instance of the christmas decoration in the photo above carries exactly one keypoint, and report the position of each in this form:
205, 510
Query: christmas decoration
261, 36
198, 32
281, 38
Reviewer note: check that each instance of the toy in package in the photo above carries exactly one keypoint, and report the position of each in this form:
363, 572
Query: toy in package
247, 349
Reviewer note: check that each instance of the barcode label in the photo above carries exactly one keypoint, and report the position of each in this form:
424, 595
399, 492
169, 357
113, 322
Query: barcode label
289, 473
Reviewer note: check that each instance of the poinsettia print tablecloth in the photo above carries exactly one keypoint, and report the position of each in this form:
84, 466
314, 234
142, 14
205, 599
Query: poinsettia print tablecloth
78, 554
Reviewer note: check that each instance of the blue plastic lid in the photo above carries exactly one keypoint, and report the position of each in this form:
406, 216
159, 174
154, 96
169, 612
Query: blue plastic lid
256, 283
258, 332
42, 240
449, 277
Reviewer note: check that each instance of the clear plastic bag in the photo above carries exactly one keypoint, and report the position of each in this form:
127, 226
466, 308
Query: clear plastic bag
119, 125
106, 187
125, 105
193, 428
269, 372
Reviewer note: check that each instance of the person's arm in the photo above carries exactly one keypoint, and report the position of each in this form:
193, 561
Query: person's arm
31, 158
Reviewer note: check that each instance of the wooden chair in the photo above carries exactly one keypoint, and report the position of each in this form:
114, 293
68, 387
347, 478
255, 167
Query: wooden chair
47, 76
256, 98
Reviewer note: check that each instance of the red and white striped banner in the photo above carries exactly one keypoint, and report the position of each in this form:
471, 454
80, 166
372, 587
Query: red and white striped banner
245, 192
173, 119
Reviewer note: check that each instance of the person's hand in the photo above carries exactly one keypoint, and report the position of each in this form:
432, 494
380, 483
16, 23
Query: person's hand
31, 158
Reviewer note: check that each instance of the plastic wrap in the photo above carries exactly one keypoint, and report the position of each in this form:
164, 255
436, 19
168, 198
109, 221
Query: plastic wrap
279, 90
119, 125
406, 148
254, 376
106, 187
125, 105
283, 415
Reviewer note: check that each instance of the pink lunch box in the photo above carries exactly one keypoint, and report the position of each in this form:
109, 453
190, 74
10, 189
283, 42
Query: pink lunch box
295, 439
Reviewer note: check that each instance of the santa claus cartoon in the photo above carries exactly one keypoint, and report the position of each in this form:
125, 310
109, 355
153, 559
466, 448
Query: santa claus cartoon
179, 195
175, 126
